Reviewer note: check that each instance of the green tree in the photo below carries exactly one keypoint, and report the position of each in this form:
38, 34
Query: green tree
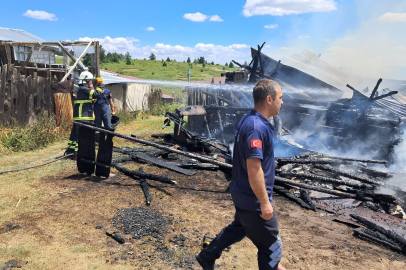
226, 64
102, 54
201, 60
212, 63
231, 65
245, 63
164, 64
204, 65
127, 58
188, 60
168, 59
152, 57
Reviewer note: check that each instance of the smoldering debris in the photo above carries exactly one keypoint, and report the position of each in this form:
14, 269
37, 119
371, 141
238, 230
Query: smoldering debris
141, 222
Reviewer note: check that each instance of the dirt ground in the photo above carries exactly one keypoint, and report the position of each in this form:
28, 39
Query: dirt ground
62, 234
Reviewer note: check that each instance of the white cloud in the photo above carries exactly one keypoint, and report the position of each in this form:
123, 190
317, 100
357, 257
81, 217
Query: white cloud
216, 18
286, 7
348, 38
119, 44
285, 48
326, 40
150, 28
199, 17
40, 15
217, 53
271, 26
195, 17
303, 37
393, 17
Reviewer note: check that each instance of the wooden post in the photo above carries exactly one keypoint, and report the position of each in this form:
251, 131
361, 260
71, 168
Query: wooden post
97, 55
66, 52
8, 52
77, 62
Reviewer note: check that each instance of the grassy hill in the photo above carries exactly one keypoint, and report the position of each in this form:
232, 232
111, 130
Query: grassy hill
154, 70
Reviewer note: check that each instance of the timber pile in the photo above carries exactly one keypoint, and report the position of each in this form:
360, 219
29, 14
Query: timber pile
349, 189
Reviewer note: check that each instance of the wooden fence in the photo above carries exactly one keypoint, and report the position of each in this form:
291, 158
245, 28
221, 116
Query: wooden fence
23, 97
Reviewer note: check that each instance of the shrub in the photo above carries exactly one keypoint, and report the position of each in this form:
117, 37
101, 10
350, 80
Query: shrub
33, 136
164, 64
201, 70
153, 73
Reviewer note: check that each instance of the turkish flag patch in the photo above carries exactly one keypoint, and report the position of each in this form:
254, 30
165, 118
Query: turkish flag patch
256, 143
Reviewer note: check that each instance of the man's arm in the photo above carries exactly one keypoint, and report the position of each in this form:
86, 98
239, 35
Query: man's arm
112, 106
257, 183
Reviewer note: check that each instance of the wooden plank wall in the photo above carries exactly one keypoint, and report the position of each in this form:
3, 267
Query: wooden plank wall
22, 98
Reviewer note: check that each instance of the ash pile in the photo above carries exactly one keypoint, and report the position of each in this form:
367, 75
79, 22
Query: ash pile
140, 222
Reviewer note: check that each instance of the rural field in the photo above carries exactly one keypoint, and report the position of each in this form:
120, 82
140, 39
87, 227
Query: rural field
53, 217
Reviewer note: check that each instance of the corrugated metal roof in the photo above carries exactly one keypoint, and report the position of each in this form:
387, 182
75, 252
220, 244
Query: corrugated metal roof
17, 35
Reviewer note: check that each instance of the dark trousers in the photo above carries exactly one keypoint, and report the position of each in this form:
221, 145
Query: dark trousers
73, 138
102, 114
264, 234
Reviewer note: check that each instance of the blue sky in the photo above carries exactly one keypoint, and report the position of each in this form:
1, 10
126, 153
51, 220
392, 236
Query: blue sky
352, 34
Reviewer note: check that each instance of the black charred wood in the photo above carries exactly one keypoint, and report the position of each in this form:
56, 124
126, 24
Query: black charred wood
324, 179
367, 234
154, 177
162, 163
283, 191
159, 146
375, 89
346, 174
283, 161
281, 180
116, 236
145, 189
121, 159
304, 195
360, 160
391, 93
374, 172
379, 198
375, 227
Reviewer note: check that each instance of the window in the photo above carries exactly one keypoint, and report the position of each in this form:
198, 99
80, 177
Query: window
21, 52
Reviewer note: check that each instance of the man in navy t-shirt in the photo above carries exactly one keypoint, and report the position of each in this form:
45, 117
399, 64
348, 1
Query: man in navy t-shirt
252, 184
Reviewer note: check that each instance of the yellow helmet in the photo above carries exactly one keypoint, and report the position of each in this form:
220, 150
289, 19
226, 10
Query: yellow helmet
99, 80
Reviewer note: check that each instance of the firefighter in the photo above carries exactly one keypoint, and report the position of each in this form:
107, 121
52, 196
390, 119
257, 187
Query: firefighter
83, 108
103, 107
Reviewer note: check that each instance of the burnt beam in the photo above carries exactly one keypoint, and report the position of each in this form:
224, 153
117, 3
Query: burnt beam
154, 177
324, 179
279, 179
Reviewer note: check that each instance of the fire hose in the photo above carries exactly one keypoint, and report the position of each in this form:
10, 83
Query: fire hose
36, 166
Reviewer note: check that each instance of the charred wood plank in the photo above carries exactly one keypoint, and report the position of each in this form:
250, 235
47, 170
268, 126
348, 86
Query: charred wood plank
374, 172
320, 189
227, 108
375, 89
362, 233
391, 93
154, 177
159, 146
324, 179
121, 159
283, 191
283, 161
162, 163
388, 233
145, 189
346, 174
219, 97
360, 160
304, 195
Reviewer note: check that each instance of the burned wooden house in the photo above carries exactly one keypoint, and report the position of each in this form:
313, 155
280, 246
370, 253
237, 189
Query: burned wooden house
29, 69
325, 108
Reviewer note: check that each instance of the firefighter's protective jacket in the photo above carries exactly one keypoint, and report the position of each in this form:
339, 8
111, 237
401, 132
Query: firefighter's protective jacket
83, 109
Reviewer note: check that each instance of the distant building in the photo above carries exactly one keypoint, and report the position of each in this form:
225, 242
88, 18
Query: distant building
218, 80
44, 54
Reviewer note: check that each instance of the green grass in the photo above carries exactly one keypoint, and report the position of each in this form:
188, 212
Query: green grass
154, 70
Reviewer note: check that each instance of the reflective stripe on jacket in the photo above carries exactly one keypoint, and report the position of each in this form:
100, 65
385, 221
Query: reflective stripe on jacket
83, 109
